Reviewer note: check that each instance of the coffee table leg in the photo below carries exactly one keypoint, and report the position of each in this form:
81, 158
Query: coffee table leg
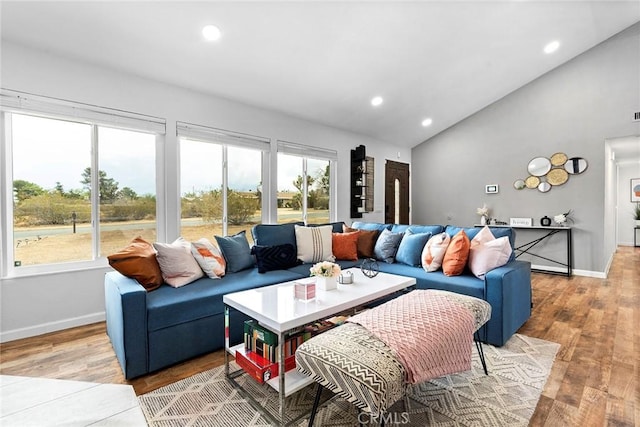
281, 373
226, 341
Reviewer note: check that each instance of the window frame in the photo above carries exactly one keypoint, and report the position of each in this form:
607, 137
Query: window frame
307, 152
225, 139
50, 108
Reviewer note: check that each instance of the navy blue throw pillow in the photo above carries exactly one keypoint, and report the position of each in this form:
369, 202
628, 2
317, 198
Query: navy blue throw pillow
278, 257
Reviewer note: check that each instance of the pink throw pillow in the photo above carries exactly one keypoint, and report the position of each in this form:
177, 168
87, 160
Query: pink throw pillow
177, 265
487, 252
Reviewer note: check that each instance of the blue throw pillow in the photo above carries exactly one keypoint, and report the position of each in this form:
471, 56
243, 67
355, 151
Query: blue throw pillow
236, 252
278, 257
410, 249
387, 246
275, 234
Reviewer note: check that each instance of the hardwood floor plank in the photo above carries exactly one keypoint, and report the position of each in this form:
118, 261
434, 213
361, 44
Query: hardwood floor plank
595, 379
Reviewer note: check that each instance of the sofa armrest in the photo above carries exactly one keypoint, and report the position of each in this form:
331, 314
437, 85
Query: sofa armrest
508, 290
126, 313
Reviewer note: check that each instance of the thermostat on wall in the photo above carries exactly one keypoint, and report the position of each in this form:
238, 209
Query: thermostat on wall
491, 189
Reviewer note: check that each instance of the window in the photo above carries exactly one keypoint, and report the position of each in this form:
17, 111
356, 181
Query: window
304, 183
220, 181
70, 191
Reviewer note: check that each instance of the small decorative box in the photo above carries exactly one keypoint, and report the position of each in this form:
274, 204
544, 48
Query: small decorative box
521, 222
305, 291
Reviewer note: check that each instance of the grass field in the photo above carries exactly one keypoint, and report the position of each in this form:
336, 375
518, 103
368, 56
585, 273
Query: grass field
59, 244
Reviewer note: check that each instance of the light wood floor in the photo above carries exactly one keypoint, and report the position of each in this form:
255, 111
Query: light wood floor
595, 380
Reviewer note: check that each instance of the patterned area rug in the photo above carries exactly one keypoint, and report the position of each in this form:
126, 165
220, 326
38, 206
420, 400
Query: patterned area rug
508, 396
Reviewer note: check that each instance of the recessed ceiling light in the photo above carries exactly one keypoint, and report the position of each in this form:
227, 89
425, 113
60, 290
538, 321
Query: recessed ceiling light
375, 101
552, 47
211, 32
427, 122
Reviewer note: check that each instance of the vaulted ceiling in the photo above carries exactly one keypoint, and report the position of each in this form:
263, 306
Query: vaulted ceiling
325, 61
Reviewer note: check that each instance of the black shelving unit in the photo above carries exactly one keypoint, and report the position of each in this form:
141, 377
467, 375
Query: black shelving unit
358, 181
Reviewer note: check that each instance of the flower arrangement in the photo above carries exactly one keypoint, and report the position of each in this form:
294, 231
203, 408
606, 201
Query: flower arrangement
563, 218
484, 213
325, 269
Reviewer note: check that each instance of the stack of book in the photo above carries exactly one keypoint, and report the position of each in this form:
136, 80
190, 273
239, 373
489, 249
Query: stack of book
261, 353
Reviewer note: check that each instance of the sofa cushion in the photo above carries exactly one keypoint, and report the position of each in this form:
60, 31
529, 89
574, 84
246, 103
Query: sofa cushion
138, 261
497, 232
370, 226
486, 252
274, 234
465, 284
387, 246
278, 257
433, 252
345, 245
177, 264
314, 243
167, 306
366, 241
236, 252
457, 255
411, 247
209, 258
336, 227
415, 228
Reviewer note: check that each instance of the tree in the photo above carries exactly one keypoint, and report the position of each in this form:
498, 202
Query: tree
127, 193
59, 189
25, 189
240, 208
323, 180
296, 200
108, 187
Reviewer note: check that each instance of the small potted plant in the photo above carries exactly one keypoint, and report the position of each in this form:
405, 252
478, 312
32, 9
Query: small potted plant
636, 214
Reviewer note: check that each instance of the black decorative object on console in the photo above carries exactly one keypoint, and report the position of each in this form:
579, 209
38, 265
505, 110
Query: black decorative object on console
545, 221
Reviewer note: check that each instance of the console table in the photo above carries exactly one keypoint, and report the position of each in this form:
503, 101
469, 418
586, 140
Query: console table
546, 233
635, 232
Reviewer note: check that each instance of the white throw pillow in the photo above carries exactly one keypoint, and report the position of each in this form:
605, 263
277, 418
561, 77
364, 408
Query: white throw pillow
433, 252
177, 265
487, 252
209, 258
314, 243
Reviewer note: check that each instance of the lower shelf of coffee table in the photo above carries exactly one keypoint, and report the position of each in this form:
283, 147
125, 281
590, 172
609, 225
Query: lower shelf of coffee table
294, 380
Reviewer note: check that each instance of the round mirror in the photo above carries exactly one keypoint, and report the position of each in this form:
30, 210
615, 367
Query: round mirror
532, 182
543, 187
539, 166
557, 176
519, 184
575, 165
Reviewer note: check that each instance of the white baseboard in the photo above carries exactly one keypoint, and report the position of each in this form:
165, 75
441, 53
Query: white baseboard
576, 272
45, 328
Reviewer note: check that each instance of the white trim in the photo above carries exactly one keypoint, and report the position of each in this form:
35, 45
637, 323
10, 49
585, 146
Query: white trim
45, 328
300, 150
27, 103
585, 273
221, 136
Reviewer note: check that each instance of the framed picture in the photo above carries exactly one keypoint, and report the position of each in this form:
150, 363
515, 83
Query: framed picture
491, 189
635, 190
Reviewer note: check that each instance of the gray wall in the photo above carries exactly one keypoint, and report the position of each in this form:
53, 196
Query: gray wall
36, 304
571, 109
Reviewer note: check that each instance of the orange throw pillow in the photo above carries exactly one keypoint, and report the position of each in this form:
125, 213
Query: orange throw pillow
138, 261
457, 254
345, 245
366, 241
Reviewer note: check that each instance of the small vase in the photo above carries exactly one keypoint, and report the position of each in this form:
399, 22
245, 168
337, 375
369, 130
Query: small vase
326, 283
483, 220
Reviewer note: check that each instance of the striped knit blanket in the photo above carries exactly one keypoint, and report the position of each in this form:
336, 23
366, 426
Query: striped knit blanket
430, 334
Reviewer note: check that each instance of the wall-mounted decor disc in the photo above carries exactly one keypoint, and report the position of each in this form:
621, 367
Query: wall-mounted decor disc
532, 182
558, 159
557, 176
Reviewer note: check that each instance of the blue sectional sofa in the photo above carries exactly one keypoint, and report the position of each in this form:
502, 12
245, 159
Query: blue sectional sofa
153, 330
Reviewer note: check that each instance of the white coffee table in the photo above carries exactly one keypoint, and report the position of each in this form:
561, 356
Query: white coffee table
276, 309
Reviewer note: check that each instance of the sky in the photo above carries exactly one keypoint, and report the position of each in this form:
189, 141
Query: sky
46, 151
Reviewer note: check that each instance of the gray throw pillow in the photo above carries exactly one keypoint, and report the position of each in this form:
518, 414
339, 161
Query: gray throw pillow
387, 246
